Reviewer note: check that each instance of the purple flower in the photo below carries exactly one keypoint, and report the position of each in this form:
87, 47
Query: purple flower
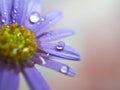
25, 41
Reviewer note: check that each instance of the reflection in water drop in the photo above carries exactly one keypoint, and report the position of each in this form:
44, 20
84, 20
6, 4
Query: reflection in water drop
64, 69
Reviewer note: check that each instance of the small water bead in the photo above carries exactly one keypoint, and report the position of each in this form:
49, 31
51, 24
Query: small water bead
42, 19
34, 17
15, 11
64, 69
60, 46
13, 20
3, 20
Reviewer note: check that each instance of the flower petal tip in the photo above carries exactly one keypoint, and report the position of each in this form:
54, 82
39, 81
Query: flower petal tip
71, 73
77, 58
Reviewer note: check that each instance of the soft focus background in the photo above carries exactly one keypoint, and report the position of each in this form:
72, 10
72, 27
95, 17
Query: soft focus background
97, 39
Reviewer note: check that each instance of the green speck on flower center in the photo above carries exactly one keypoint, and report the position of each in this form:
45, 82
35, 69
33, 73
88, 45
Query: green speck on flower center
17, 45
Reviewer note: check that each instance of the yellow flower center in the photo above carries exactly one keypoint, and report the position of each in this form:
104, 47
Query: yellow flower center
17, 45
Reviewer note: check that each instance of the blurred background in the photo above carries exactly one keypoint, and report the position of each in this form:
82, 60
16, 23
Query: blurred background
97, 39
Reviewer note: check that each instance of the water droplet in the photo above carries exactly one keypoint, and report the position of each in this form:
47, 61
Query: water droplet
3, 20
34, 17
15, 11
64, 69
60, 46
42, 60
42, 19
13, 20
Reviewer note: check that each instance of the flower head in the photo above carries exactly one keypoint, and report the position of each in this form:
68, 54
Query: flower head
25, 41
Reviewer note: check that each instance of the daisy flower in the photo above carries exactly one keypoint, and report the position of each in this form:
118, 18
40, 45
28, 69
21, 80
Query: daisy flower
25, 41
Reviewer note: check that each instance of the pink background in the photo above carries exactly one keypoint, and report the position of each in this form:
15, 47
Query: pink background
97, 39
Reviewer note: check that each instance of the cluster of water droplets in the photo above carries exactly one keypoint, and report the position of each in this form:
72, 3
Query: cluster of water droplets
14, 13
60, 47
36, 18
3, 20
33, 18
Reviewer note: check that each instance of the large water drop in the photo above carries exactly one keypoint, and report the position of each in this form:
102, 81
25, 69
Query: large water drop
64, 69
60, 46
34, 17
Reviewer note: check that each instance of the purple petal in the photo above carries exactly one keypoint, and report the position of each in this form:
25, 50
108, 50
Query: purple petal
9, 80
34, 79
56, 34
65, 52
23, 8
46, 22
19, 11
5, 10
57, 66
33, 7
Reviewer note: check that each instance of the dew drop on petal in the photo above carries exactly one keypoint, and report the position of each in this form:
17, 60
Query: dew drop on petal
60, 46
15, 11
3, 20
64, 69
13, 21
42, 19
34, 17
